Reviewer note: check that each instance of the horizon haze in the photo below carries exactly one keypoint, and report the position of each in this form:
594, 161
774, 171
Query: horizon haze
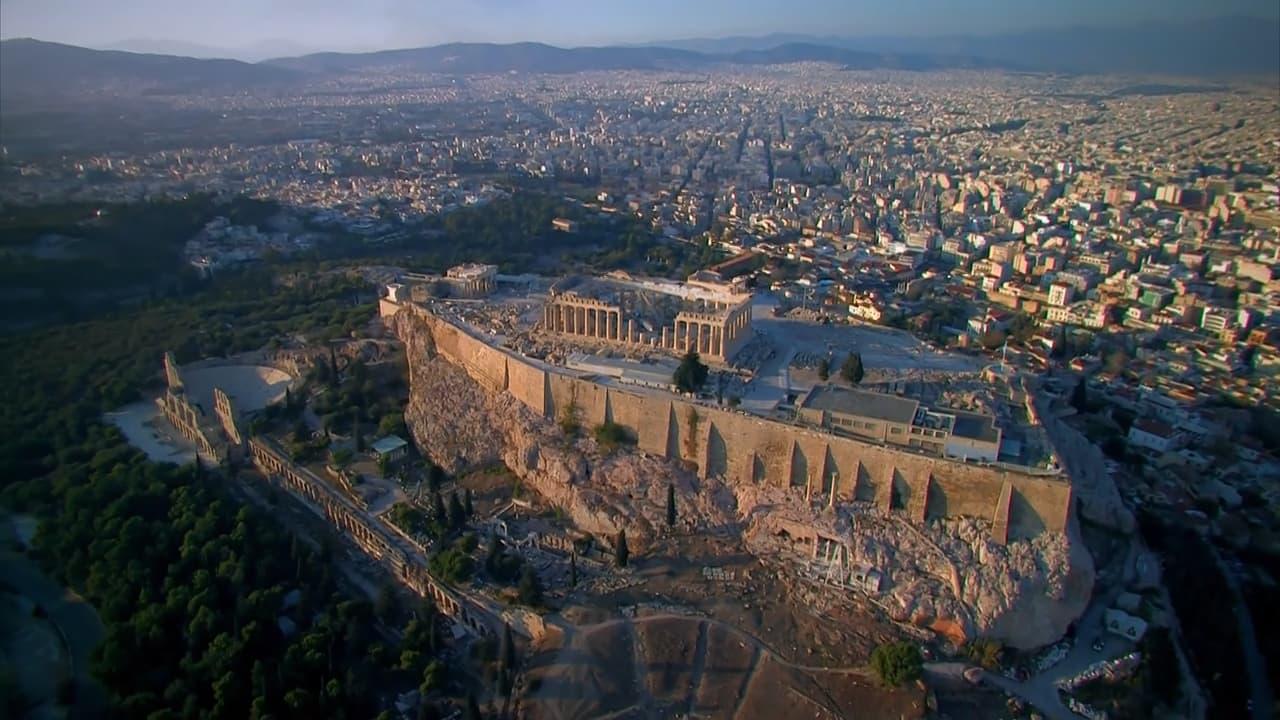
249, 31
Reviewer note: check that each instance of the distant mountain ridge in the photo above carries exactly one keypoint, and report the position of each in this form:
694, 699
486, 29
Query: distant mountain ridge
465, 58
1209, 47
860, 59
32, 70
251, 53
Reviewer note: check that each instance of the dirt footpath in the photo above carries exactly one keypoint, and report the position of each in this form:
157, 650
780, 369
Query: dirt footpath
669, 666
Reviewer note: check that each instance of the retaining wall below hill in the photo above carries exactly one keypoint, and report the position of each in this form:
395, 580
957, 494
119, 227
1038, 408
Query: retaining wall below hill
746, 449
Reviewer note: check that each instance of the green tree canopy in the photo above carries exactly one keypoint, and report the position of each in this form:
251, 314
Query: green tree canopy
691, 373
851, 370
189, 581
897, 663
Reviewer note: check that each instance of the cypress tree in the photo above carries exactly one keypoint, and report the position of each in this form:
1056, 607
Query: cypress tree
671, 504
435, 477
457, 516
573, 569
530, 590
437, 508
852, 368
507, 653
620, 550
466, 504
1080, 396
492, 554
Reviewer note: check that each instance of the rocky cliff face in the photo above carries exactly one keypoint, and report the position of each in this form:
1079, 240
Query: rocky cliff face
947, 575
1091, 482
460, 426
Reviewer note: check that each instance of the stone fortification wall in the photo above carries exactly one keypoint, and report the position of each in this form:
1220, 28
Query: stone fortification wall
744, 449
375, 539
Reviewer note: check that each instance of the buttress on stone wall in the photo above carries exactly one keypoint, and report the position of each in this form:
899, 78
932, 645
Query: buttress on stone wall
744, 449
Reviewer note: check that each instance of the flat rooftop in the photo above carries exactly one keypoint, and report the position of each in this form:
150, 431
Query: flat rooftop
889, 408
974, 426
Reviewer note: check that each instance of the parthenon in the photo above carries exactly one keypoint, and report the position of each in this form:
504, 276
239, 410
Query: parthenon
673, 317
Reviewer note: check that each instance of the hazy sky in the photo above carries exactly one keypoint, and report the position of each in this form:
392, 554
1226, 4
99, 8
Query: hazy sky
366, 24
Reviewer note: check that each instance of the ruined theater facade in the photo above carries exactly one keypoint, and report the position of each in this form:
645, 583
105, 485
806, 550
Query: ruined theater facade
741, 448
217, 436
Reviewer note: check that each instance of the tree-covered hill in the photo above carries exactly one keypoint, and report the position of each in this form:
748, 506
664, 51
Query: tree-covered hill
190, 583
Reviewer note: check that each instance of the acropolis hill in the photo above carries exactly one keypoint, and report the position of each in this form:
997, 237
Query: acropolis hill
967, 548
743, 449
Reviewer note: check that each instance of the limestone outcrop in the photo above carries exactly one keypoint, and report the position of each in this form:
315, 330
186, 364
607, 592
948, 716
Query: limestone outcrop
947, 574
1099, 498
461, 426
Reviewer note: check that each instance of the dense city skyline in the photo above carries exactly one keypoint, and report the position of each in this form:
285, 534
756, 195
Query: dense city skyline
252, 29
